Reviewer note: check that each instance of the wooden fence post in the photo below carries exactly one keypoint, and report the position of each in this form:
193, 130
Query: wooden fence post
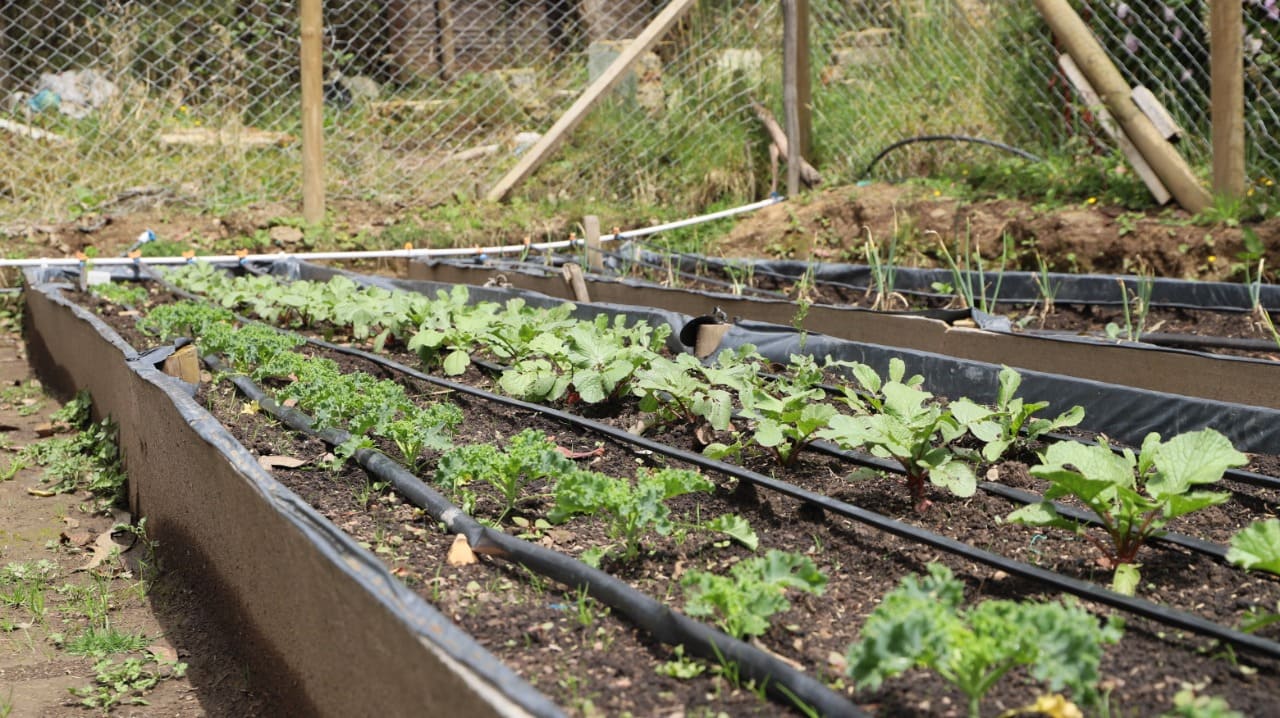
311, 19
1226, 97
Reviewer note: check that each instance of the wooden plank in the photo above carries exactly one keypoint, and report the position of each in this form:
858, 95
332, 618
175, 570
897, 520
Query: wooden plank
804, 80
311, 20
1226, 97
1165, 124
549, 142
1108, 124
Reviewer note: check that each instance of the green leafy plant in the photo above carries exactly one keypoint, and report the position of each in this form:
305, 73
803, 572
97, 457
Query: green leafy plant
1012, 421
529, 456
908, 428
121, 293
787, 411
1188, 702
632, 508
923, 624
1133, 496
744, 602
126, 682
1135, 306
419, 429
1257, 547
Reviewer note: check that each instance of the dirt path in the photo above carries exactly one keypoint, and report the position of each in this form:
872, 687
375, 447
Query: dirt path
49, 601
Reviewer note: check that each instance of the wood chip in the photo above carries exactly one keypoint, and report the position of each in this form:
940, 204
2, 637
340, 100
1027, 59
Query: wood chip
281, 462
460, 553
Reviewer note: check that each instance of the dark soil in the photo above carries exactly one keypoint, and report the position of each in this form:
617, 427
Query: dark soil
537, 629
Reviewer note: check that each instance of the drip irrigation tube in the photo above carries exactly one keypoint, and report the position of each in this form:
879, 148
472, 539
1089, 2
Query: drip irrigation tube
1083, 589
947, 138
654, 616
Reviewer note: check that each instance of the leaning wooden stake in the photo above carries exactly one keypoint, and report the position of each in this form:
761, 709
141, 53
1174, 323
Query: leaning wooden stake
1084, 48
1094, 103
809, 175
572, 117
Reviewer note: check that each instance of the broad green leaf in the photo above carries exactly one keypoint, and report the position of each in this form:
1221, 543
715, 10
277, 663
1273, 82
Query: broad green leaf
867, 377
1009, 380
1126, 579
955, 476
969, 413
1093, 460
768, 433
1181, 504
736, 528
994, 450
1257, 546
1041, 514
457, 362
1191, 459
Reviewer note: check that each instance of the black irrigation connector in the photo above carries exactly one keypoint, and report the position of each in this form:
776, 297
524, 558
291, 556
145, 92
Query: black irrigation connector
1137, 606
780, 679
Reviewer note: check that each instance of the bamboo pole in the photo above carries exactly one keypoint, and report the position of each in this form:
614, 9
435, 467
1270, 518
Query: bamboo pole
1080, 43
576, 113
1226, 96
311, 19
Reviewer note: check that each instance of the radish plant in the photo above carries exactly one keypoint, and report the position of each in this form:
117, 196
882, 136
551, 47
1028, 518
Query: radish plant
908, 428
1134, 497
1012, 421
923, 624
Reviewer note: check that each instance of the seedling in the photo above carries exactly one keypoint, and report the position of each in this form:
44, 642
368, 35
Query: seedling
787, 411
1132, 496
1011, 422
743, 602
912, 430
127, 682
1135, 305
530, 456
923, 624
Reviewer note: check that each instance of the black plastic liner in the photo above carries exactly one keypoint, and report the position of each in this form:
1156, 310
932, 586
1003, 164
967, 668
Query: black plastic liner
670, 627
1015, 287
1122, 413
327, 545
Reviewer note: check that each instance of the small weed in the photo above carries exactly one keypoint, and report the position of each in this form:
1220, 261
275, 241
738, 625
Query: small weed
100, 643
125, 683
681, 666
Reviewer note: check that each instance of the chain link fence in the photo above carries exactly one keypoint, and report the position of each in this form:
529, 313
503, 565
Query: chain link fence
425, 100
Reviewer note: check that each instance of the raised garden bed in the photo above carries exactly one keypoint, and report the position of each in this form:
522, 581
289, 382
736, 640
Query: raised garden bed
1207, 330
812, 510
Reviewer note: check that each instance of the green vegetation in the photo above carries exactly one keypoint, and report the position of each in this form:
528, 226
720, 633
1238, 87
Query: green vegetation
126, 683
1133, 496
1257, 547
1011, 422
744, 602
923, 624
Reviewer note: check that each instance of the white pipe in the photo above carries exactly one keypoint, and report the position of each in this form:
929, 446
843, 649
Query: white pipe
384, 253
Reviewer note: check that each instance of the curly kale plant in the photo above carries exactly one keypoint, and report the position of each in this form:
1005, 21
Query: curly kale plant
924, 624
743, 602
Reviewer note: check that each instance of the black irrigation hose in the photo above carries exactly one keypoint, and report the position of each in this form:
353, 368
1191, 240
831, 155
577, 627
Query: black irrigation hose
947, 138
666, 625
1088, 591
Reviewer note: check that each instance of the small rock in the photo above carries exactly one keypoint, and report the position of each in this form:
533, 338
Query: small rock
285, 235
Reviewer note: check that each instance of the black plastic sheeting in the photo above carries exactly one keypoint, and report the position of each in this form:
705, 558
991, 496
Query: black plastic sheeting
1125, 414
330, 543
1016, 287
668, 626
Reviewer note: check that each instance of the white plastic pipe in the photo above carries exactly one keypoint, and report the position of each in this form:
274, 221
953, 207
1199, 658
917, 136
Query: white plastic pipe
386, 253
